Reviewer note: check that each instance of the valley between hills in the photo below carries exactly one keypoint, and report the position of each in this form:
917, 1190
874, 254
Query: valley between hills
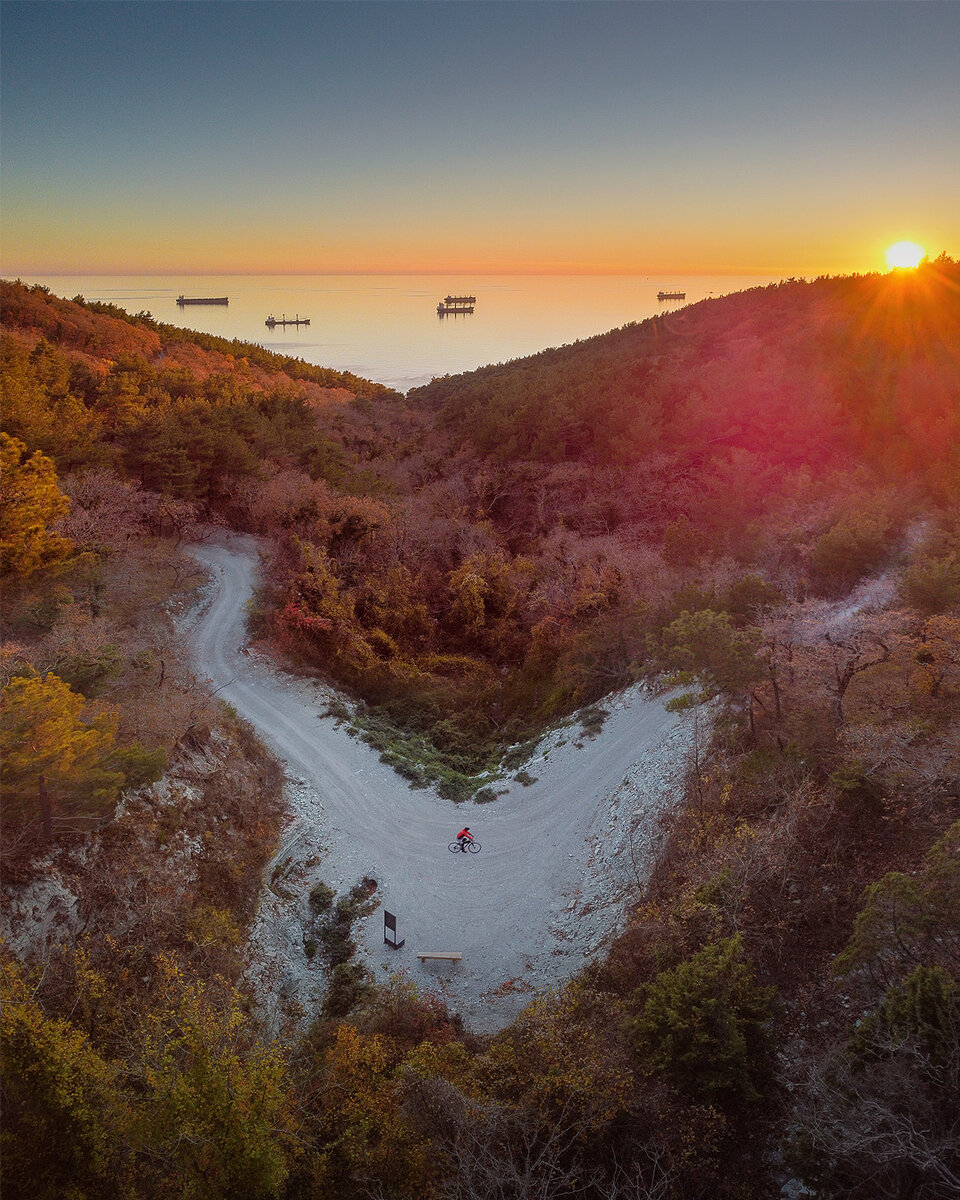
556, 859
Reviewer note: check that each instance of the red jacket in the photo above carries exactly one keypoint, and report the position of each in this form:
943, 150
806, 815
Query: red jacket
465, 833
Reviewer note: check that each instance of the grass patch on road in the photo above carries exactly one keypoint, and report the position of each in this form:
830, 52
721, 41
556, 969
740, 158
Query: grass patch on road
413, 756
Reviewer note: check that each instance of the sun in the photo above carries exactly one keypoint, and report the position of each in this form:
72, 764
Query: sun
904, 254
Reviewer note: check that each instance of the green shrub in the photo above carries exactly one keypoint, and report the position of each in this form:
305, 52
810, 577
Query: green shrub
349, 984
683, 543
924, 1010
321, 897
932, 585
750, 597
860, 793
338, 945
703, 1024
854, 547
592, 719
909, 919
89, 671
884, 1105
516, 756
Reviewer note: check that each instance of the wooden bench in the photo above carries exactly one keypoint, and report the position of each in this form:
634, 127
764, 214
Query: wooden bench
452, 955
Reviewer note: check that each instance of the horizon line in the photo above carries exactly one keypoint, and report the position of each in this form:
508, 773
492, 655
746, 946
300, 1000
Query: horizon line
705, 272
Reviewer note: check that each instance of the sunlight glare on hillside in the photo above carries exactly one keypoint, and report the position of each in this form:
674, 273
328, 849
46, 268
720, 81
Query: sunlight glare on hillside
904, 254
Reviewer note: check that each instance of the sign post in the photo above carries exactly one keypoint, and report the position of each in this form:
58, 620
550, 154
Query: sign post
390, 930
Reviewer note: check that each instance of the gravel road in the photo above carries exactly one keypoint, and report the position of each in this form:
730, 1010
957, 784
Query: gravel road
542, 898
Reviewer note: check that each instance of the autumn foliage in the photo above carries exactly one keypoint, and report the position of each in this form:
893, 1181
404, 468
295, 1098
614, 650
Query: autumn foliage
753, 502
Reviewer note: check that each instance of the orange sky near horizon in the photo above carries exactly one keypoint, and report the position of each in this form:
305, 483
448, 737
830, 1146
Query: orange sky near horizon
118, 249
476, 138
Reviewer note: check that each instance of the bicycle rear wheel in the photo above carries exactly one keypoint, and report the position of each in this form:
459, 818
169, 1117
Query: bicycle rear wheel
455, 847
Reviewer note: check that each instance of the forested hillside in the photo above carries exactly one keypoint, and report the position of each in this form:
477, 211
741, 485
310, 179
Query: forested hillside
754, 500
523, 559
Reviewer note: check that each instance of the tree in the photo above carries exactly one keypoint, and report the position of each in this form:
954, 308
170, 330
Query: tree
882, 1106
468, 590
852, 655
361, 1136
491, 1149
287, 500
908, 920
55, 753
849, 550
40, 408
937, 659
215, 1110
706, 646
106, 512
704, 1023
30, 502
879, 1116
683, 544
932, 585
924, 1008
62, 1109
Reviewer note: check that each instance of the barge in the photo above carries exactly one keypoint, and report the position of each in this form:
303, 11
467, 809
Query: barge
181, 300
273, 321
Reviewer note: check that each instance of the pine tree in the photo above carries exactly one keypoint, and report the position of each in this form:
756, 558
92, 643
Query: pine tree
30, 502
55, 763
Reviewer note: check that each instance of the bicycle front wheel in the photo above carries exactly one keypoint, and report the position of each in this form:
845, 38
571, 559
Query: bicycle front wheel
473, 847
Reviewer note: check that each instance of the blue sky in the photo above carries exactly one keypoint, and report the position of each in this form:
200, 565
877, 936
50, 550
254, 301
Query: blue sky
796, 137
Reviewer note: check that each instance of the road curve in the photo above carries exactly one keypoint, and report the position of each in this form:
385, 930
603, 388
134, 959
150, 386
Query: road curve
510, 910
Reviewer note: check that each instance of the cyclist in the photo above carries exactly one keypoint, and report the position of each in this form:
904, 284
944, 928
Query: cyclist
463, 837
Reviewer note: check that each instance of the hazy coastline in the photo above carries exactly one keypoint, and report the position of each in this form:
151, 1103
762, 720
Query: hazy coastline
385, 327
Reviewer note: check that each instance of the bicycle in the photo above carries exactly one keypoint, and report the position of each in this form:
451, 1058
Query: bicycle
472, 847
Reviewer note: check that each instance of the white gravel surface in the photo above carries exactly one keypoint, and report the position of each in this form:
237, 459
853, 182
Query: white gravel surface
541, 899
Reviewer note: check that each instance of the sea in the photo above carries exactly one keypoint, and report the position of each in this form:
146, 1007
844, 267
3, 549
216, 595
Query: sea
386, 327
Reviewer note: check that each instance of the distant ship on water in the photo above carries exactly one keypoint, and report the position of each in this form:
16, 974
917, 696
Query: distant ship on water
272, 321
450, 305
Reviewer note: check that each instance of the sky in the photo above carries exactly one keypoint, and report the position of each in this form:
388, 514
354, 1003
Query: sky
200, 136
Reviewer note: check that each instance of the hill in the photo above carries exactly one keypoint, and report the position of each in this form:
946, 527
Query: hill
753, 501
544, 518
